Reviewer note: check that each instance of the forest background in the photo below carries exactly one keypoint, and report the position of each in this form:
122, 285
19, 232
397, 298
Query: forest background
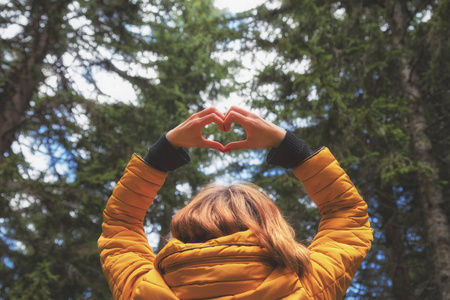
368, 79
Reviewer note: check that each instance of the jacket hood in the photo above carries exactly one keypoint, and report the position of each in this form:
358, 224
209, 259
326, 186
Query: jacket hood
228, 265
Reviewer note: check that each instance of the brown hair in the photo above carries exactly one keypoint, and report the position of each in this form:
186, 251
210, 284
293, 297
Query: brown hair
222, 210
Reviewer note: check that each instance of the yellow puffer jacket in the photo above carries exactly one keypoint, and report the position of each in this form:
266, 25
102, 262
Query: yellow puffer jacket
234, 266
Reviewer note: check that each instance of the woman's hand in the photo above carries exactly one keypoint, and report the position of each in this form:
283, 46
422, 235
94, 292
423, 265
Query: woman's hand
260, 133
188, 134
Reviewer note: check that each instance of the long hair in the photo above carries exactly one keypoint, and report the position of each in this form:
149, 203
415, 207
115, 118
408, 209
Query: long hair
223, 210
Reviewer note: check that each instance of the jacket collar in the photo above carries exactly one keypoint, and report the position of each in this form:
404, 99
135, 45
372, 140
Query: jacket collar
243, 243
231, 265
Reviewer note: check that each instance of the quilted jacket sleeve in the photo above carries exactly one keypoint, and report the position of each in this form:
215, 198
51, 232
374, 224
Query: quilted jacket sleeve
125, 253
344, 236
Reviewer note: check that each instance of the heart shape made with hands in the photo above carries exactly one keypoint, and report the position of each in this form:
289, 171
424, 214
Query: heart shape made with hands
259, 132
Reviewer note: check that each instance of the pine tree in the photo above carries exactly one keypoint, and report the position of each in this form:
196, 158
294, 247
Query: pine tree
51, 219
367, 79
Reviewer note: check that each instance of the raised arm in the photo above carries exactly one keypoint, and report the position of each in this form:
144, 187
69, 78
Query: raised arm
344, 236
125, 254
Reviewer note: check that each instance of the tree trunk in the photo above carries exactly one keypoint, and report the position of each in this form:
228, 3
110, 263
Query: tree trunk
16, 100
438, 229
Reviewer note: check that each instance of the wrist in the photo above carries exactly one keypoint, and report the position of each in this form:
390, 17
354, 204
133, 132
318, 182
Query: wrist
279, 135
170, 139
163, 156
291, 152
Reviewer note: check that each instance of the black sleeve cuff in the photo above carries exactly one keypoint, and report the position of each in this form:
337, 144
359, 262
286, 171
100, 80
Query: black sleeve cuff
291, 152
164, 157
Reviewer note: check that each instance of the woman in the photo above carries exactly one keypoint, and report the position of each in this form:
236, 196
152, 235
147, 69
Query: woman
232, 242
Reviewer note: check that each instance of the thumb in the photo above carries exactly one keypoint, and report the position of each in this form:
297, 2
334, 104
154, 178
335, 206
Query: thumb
236, 145
213, 145
235, 117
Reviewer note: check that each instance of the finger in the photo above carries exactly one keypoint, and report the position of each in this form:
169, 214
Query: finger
208, 119
208, 111
239, 110
212, 145
205, 112
235, 117
233, 108
236, 146
221, 117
